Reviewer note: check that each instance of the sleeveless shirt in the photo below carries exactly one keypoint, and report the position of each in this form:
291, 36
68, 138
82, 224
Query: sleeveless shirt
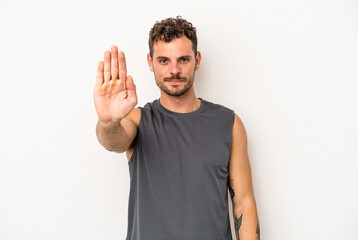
179, 174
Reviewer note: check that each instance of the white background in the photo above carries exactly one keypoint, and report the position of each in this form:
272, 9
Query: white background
287, 68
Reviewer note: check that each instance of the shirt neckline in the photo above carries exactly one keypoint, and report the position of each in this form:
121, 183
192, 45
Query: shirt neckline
176, 114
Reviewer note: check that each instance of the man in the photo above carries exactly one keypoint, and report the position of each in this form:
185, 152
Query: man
184, 153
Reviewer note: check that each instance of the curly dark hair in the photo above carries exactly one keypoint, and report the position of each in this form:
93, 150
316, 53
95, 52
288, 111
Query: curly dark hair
170, 28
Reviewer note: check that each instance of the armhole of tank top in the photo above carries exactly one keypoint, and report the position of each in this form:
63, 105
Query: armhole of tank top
135, 139
232, 126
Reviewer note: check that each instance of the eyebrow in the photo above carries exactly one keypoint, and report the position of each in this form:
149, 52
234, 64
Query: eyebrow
162, 57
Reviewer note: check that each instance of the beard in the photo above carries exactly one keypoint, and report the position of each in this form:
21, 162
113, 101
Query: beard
175, 91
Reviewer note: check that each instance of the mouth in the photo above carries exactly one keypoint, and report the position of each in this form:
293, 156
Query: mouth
174, 80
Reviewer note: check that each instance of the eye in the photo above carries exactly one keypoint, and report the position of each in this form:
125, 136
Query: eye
184, 60
163, 61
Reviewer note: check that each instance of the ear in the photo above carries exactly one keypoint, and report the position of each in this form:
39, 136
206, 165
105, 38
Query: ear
150, 62
197, 60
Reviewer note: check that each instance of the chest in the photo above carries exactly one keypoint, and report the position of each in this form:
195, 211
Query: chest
195, 143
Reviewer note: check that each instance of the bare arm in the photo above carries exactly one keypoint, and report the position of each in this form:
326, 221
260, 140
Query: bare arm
244, 207
118, 136
115, 98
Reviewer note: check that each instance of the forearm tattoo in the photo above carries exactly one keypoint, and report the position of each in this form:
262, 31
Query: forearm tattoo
239, 220
238, 225
258, 231
230, 184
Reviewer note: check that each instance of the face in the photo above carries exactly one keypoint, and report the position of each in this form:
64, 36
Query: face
174, 65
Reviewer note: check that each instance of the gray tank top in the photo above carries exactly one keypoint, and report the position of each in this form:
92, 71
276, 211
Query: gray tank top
179, 174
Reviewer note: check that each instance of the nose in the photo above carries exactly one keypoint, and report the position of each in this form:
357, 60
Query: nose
174, 69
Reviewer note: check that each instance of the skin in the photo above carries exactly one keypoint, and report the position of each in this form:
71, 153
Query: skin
114, 98
173, 65
240, 184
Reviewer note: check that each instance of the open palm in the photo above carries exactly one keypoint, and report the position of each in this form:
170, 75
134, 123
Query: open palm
115, 93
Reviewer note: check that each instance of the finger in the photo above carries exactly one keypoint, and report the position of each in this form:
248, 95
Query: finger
99, 79
122, 70
114, 62
107, 66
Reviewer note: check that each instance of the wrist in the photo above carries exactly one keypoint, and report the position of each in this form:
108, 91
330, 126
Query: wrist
110, 124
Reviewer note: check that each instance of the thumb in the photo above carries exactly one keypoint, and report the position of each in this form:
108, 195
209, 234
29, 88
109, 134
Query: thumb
130, 83
131, 88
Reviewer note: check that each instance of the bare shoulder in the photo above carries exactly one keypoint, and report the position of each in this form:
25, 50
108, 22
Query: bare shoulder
239, 137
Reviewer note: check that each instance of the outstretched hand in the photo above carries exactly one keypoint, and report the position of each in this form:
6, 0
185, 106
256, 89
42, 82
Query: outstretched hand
115, 93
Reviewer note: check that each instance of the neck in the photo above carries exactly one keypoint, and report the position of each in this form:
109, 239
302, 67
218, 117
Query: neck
186, 103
